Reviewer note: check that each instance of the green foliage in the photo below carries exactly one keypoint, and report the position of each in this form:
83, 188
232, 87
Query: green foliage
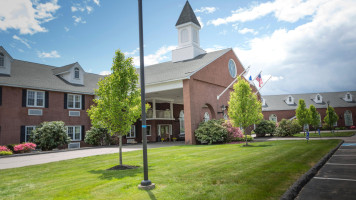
249, 138
11, 147
265, 127
302, 113
3, 153
331, 117
50, 135
288, 128
212, 132
314, 117
97, 136
244, 108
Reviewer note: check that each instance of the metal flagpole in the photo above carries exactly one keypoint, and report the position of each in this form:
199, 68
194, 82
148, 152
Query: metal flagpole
146, 183
218, 97
263, 84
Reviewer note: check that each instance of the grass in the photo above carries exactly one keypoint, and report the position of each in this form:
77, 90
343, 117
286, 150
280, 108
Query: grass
312, 134
263, 171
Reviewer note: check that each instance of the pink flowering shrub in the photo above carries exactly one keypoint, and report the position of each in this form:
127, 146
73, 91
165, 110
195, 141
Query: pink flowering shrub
26, 147
234, 132
4, 148
352, 127
5, 151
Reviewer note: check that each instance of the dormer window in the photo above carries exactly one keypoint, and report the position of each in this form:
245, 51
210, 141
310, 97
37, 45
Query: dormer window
290, 100
318, 99
76, 73
263, 101
2, 59
348, 97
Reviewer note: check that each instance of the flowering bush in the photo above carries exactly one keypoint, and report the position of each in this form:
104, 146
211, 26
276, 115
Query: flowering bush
5, 151
26, 147
353, 127
4, 148
235, 133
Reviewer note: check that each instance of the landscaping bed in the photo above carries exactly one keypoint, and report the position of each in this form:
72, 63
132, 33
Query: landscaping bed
265, 170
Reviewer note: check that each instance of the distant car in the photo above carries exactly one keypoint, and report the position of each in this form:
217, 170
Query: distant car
182, 136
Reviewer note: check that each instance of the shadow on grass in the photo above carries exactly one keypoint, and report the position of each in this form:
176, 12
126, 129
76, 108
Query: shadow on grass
263, 145
117, 174
152, 196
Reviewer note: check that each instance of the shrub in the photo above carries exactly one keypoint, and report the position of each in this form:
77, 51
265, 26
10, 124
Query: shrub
97, 136
11, 147
249, 138
352, 127
265, 127
25, 147
3, 153
288, 128
234, 133
50, 135
211, 132
4, 148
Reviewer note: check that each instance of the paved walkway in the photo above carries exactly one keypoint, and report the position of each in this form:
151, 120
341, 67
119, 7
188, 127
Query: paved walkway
337, 178
21, 161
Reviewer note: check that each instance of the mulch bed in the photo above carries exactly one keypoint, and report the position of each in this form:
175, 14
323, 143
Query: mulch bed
123, 167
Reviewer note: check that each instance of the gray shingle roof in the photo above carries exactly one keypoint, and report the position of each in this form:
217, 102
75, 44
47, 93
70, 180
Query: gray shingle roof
169, 71
38, 76
59, 70
277, 102
187, 15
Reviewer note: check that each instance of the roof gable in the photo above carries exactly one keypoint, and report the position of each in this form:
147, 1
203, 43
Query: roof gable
187, 15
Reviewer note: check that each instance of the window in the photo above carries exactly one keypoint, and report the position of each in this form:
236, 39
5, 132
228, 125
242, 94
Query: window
2, 59
273, 117
132, 133
206, 117
318, 97
76, 73
35, 98
232, 68
348, 96
74, 132
290, 99
184, 36
148, 130
181, 122
348, 118
28, 132
74, 101
165, 130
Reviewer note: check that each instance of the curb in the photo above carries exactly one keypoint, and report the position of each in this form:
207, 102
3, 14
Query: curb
294, 190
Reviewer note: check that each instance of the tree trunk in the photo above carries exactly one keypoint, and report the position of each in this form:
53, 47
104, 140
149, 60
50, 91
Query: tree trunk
120, 147
244, 132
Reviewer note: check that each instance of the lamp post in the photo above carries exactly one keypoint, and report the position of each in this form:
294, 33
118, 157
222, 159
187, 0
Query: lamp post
146, 184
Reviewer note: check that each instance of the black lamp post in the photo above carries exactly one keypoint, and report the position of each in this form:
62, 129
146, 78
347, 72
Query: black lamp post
146, 184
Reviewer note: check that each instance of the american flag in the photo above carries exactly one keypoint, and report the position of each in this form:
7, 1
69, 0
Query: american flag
259, 79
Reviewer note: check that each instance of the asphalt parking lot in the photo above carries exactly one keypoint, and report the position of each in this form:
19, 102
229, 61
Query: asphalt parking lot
337, 178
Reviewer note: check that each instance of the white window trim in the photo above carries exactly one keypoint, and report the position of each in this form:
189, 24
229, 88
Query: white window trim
77, 69
80, 101
149, 129
34, 127
134, 131
3, 58
170, 129
228, 67
352, 122
273, 116
80, 133
35, 100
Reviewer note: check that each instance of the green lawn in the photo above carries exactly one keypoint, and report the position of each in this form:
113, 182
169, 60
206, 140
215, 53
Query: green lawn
312, 134
263, 171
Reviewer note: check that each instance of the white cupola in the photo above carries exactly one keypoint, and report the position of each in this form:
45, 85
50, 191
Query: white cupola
5, 62
188, 36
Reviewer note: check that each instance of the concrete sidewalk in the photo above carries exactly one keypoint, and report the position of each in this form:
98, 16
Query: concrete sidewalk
337, 178
21, 161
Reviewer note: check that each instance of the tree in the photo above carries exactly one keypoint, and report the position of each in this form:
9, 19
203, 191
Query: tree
302, 113
331, 117
244, 108
118, 104
50, 135
314, 117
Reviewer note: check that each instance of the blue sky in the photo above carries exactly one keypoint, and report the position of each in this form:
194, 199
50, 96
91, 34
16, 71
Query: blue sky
304, 45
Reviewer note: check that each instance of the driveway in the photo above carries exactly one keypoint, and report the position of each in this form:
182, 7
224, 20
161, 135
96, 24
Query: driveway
21, 161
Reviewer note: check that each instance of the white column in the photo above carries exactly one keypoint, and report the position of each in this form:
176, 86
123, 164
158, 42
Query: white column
171, 105
154, 108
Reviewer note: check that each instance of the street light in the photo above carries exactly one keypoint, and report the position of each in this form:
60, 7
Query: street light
146, 184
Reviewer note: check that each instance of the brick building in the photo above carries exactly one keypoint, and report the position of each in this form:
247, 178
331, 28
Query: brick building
277, 107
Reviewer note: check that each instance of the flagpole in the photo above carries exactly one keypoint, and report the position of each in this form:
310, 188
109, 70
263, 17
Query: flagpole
218, 97
257, 75
263, 84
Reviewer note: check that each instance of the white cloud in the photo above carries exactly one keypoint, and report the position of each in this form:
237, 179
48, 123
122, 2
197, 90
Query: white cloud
26, 16
132, 52
22, 40
200, 22
223, 32
312, 57
247, 30
89, 9
159, 56
66, 29
206, 10
214, 48
283, 10
103, 73
52, 54
78, 20
97, 2
20, 50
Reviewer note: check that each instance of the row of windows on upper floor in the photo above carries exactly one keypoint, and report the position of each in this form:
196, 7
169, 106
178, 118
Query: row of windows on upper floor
347, 117
40, 99
317, 99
